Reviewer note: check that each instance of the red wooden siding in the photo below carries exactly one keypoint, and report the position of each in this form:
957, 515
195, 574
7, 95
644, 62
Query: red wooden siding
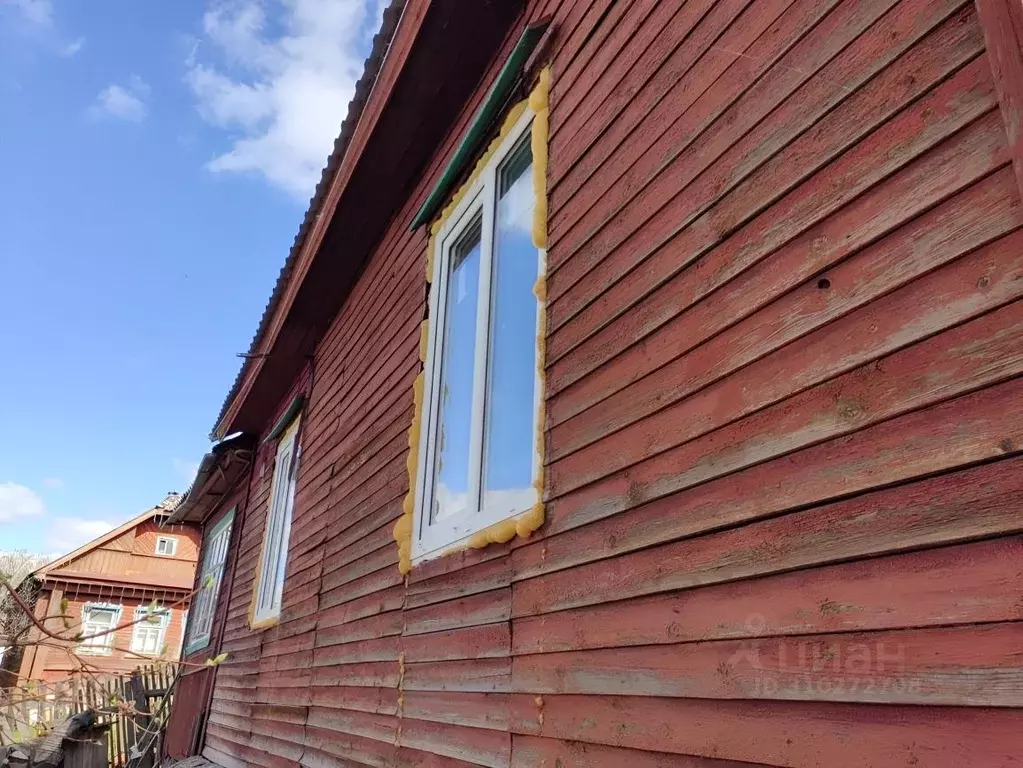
60, 660
785, 337
188, 717
125, 571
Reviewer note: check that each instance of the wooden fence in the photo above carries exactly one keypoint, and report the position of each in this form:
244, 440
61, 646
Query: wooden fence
132, 708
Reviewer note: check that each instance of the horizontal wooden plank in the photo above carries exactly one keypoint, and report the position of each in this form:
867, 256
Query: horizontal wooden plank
375, 649
659, 48
626, 27
768, 94
749, 367
281, 740
992, 339
385, 556
593, 247
479, 675
483, 608
407, 756
378, 674
376, 626
661, 86
317, 758
850, 402
368, 725
963, 584
709, 300
378, 602
859, 222
377, 700
736, 230
479, 746
963, 666
378, 581
486, 641
970, 429
791, 734
479, 710
463, 574
373, 747
530, 751
221, 751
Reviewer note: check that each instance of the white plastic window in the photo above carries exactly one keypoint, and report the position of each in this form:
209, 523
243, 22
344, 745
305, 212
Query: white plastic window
166, 545
478, 457
274, 559
97, 620
204, 604
149, 633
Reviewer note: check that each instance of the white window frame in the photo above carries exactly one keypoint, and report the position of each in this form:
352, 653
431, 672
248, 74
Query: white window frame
273, 558
432, 538
171, 542
103, 645
215, 545
143, 627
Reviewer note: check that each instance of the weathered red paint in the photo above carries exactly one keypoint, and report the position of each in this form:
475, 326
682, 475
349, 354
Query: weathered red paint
785, 328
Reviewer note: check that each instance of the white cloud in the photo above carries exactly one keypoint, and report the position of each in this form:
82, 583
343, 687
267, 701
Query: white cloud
35, 21
19, 501
123, 102
72, 48
36, 12
53, 482
67, 534
186, 470
282, 83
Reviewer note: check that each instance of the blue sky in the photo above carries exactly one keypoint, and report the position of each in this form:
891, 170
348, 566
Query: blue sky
156, 159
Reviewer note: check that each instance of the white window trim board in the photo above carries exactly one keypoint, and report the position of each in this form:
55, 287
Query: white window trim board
429, 541
267, 607
172, 541
197, 635
108, 640
141, 624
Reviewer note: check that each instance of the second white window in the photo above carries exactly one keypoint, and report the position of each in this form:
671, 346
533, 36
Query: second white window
478, 457
149, 633
274, 558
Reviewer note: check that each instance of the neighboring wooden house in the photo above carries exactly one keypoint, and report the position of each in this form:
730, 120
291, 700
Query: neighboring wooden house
109, 583
703, 323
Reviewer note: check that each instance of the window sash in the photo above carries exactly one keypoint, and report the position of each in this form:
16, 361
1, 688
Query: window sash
166, 545
273, 562
98, 617
431, 536
147, 637
204, 608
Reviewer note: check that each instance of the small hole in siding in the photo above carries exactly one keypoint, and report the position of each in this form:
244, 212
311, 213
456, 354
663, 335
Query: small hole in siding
824, 283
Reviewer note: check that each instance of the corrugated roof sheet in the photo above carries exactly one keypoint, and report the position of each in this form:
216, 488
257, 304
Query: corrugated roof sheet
363, 89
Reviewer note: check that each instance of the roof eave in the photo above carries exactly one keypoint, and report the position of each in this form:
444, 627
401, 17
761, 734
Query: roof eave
323, 202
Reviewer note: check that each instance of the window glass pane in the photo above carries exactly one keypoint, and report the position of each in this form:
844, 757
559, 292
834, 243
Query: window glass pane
275, 547
451, 465
509, 440
289, 503
94, 621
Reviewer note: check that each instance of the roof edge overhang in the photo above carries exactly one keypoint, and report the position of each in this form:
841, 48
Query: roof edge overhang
219, 472
414, 88
137, 582
324, 200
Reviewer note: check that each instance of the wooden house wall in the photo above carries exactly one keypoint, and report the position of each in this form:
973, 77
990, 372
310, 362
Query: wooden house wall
54, 664
783, 466
187, 718
133, 554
